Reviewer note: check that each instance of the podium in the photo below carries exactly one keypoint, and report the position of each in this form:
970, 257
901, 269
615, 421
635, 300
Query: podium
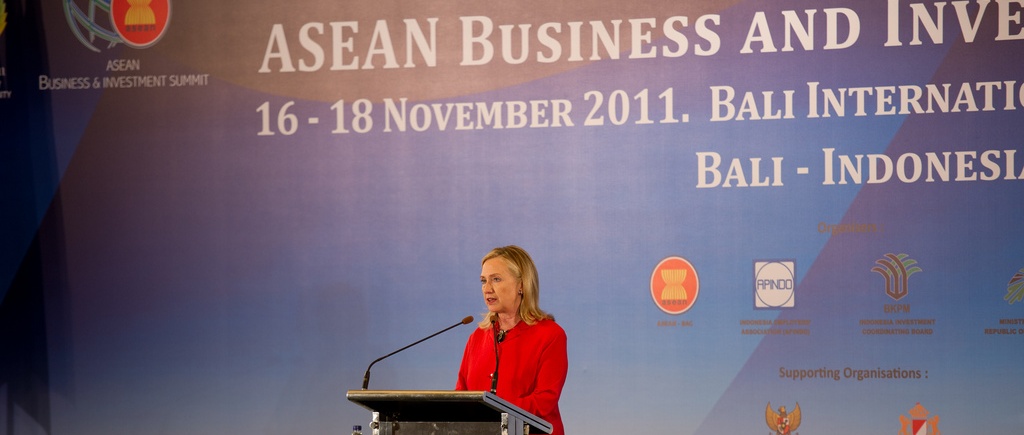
429, 412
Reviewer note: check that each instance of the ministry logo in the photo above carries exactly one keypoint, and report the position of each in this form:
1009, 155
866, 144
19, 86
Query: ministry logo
774, 284
135, 23
1015, 288
896, 269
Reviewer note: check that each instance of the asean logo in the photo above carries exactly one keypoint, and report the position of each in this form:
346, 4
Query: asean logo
919, 423
136, 23
674, 285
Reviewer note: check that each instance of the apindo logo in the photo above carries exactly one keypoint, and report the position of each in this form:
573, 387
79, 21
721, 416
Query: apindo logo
674, 285
1015, 288
919, 423
774, 284
135, 23
896, 269
781, 422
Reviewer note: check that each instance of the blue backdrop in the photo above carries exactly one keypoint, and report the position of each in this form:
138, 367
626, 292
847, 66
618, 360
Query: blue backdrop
216, 216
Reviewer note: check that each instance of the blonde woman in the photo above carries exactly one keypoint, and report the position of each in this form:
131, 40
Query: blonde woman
517, 340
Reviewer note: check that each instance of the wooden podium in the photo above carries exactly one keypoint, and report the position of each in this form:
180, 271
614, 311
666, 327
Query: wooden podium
429, 412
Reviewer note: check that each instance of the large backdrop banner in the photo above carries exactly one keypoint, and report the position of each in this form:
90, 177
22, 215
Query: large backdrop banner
216, 214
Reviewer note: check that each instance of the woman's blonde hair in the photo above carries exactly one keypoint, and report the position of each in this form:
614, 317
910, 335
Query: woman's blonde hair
522, 267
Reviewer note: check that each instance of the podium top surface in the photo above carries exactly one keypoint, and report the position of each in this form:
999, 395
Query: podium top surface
442, 405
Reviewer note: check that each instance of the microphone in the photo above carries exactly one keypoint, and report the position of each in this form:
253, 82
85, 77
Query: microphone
498, 338
366, 376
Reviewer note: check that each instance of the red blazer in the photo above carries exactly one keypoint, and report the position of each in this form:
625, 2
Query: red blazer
533, 365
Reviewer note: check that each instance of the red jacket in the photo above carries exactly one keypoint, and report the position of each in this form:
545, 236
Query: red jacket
533, 365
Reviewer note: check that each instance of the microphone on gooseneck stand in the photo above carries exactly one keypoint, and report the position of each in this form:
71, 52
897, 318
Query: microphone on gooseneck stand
366, 376
498, 338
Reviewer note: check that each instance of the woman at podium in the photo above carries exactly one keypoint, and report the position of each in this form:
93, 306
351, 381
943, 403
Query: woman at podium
518, 351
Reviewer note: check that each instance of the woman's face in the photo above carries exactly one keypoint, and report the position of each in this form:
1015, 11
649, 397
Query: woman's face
501, 288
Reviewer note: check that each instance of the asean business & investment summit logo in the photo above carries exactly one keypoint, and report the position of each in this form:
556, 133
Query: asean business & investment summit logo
136, 23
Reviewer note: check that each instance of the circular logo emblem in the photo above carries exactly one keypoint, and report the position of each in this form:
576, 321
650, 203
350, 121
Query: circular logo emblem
140, 23
774, 284
674, 285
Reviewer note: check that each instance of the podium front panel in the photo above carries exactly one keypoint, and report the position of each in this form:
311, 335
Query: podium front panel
416, 412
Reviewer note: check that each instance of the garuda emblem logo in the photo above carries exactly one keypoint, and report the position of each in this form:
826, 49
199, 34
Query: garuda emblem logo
781, 422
